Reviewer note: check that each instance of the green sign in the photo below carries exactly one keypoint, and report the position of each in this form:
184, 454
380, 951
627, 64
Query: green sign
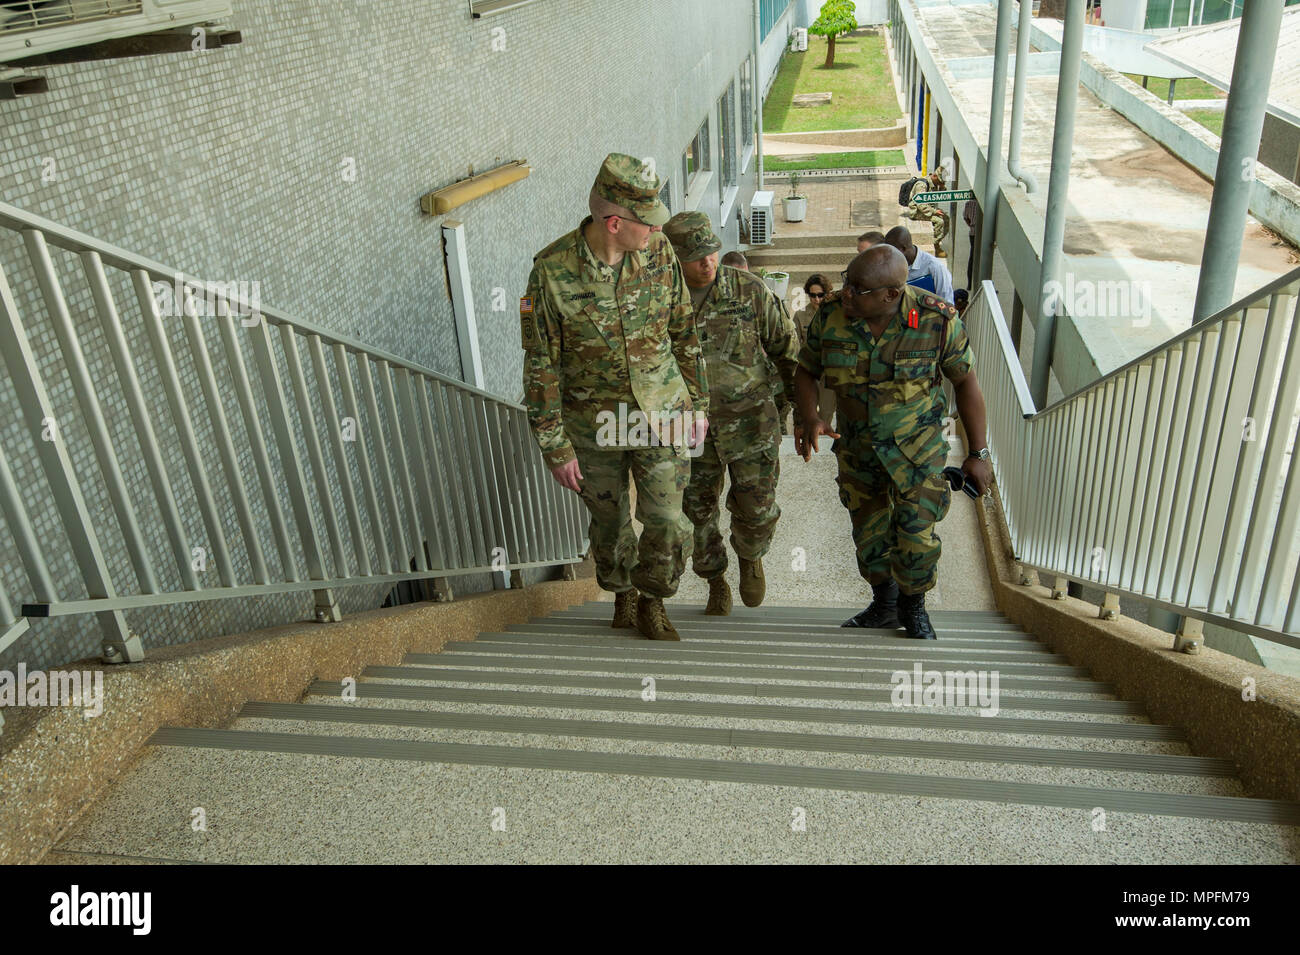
960, 195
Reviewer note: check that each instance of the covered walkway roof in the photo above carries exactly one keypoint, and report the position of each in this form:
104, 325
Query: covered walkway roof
1208, 53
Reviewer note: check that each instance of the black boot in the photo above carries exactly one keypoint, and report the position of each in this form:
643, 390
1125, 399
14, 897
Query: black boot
911, 611
882, 613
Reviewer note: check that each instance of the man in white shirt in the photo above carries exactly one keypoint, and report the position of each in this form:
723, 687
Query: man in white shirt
923, 269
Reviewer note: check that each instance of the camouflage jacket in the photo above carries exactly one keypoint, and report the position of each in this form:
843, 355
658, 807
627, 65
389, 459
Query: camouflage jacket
744, 332
896, 376
596, 336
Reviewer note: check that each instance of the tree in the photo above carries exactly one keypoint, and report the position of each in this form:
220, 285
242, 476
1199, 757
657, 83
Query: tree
837, 18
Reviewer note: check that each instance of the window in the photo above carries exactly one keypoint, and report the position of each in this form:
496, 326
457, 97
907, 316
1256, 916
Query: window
696, 158
769, 12
747, 102
727, 137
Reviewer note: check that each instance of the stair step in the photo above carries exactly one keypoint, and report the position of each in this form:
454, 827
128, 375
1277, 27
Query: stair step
826, 636
818, 614
855, 676
600, 620
840, 240
1010, 700
1267, 811
822, 259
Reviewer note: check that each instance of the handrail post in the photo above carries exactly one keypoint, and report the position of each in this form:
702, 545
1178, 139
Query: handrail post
1190, 635
1109, 609
1060, 588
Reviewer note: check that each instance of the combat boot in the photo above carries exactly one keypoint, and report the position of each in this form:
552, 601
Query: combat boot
882, 612
652, 619
719, 597
911, 611
753, 585
625, 610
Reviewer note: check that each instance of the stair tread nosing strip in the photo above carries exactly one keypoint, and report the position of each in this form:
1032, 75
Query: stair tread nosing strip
922, 648
1236, 808
791, 674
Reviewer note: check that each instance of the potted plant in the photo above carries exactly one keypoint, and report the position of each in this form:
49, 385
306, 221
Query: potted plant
794, 205
778, 282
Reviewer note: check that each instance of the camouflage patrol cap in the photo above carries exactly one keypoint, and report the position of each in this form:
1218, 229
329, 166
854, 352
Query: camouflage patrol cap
692, 236
628, 187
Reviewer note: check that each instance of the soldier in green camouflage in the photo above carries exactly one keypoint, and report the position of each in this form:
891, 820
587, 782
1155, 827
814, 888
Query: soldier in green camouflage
609, 339
884, 347
744, 332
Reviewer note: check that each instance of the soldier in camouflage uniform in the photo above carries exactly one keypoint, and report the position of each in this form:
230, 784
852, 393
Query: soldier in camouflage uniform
883, 347
923, 211
609, 340
744, 332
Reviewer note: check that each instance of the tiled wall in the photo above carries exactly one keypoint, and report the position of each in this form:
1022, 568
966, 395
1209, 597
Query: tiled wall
236, 164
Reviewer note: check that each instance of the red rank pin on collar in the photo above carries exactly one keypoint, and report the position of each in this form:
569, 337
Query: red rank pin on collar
913, 318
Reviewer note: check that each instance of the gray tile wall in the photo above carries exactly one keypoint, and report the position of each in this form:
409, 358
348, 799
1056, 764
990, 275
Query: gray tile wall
233, 164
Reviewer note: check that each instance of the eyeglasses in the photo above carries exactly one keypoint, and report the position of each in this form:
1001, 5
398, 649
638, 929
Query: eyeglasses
816, 294
851, 289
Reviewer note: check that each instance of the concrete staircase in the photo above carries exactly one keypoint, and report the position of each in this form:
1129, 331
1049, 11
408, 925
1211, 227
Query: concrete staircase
770, 735
803, 255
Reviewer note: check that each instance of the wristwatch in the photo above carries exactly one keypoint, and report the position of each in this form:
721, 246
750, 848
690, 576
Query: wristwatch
983, 454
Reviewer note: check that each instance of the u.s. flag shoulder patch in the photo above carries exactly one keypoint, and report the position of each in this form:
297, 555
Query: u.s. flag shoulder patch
525, 305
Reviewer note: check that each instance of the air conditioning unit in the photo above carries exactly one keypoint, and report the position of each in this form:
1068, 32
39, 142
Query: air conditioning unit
761, 219
800, 40
34, 27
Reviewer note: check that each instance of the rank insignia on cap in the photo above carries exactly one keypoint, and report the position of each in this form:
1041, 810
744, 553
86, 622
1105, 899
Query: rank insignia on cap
913, 318
525, 305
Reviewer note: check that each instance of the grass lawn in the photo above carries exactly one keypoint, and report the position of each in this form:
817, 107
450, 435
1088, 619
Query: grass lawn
874, 157
1187, 88
862, 91
1211, 119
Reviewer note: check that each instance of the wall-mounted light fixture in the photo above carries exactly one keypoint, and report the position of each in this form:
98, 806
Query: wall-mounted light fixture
485, 8
444, 200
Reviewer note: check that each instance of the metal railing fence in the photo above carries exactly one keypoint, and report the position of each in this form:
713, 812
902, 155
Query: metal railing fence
1169, 480
183, 443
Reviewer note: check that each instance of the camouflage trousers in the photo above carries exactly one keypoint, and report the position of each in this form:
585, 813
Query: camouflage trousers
751, 501
893, 527
653, 564
937, 218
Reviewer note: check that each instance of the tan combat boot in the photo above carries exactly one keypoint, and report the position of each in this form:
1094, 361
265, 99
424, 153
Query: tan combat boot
719, 597
625, 610
753, 586
652, 619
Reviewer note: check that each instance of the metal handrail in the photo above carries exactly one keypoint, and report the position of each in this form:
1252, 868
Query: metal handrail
1165, 480
386, 470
